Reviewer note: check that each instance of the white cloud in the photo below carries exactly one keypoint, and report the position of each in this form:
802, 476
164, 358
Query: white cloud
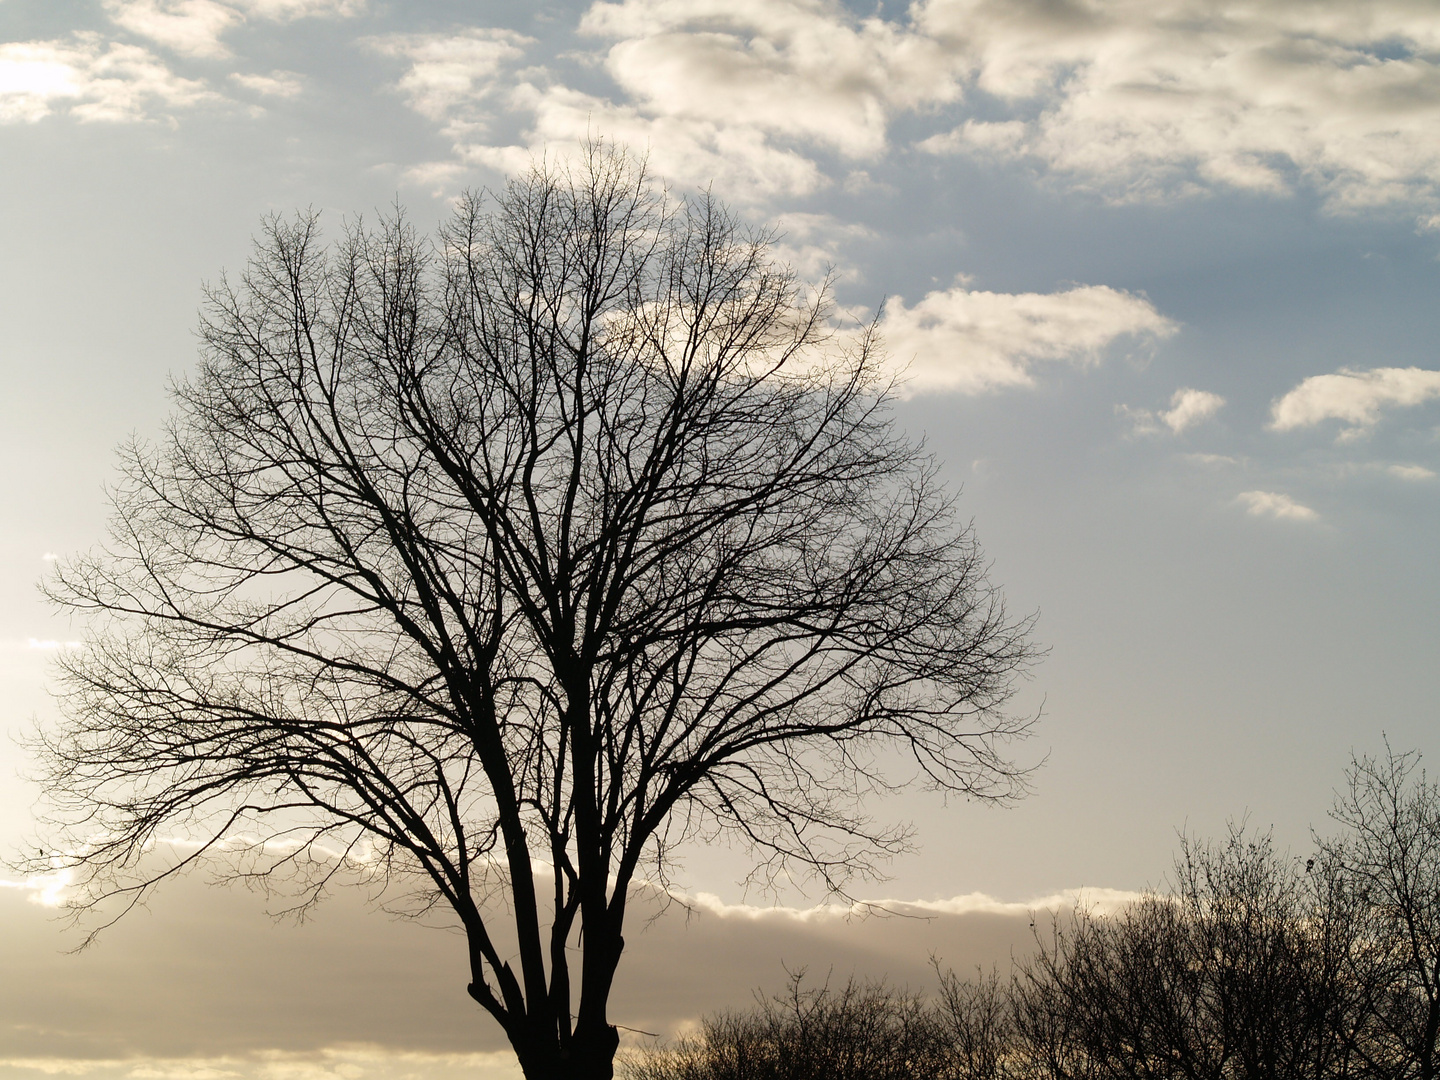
276, 84
977, 341
812, 244
1187, 408
1410, 472
450, 73
1160, 97
194, 27
738, 159
1100, 901
460, 80
51, 645
790, 68
48, 890
713, 91
289, 10
91, 80
1274, 504
188, 27
1355, 397
1133, 98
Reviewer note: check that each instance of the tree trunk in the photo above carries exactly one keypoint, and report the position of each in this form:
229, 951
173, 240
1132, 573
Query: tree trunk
590, 1058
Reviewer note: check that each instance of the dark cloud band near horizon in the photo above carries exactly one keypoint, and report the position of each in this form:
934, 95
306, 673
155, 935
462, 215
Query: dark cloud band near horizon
203, 972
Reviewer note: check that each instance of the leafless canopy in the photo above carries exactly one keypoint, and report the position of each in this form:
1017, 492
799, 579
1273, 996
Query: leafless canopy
566, 537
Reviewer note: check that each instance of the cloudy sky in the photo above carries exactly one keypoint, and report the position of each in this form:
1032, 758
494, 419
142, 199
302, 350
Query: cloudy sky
1164, 278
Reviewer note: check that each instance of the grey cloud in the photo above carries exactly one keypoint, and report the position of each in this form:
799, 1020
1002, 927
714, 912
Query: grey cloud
202, 972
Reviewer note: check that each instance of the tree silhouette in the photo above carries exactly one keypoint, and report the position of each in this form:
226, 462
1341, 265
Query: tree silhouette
1388, 862
509, 562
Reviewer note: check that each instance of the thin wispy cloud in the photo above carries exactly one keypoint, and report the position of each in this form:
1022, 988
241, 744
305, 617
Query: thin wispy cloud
195, 27
283, 84
1356, 398
1100, 901
450, 73
814, 244
352, 1062
1274, 504
290, 10
1410, 472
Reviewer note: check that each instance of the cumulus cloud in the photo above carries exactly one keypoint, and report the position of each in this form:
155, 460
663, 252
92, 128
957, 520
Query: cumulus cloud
1357, 398
972, 342
1159, 97
1188, 407
1275, 505
741, 94
794, 68
1133, 98
90, 79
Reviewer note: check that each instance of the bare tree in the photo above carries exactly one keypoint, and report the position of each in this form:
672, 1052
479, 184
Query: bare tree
1228, 977
1388, 864
557, 542
978, 1017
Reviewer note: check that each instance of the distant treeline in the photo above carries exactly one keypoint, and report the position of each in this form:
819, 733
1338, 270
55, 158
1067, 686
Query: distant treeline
1253, 965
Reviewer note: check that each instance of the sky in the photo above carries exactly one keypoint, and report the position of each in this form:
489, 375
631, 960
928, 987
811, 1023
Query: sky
1160, 276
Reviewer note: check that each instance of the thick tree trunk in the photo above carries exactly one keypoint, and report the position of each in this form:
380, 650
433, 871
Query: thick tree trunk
591, 1058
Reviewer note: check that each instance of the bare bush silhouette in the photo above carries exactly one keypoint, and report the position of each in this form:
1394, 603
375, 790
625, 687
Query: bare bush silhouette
861, 1031
1253, 966
507, 563
1228, 976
